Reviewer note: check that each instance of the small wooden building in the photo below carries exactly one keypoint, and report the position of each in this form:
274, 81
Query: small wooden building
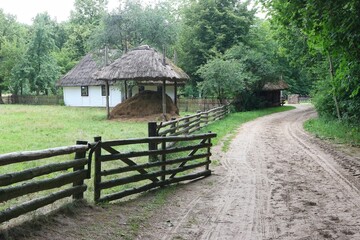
271, 93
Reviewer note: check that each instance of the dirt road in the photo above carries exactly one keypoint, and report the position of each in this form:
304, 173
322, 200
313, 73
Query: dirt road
275, 182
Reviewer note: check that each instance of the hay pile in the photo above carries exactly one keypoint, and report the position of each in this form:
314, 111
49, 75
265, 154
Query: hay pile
144, 104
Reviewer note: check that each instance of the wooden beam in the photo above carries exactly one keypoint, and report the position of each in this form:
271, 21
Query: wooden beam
17, 157
164, 99
107, 99
175, 93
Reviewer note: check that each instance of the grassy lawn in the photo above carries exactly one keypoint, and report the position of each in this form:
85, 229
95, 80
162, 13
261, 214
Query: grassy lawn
39, 127
27, 128
334, 130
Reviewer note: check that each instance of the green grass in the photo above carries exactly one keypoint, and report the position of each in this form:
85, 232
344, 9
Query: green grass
335, 131
26, 128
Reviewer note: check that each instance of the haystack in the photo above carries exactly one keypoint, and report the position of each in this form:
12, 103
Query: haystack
144, 104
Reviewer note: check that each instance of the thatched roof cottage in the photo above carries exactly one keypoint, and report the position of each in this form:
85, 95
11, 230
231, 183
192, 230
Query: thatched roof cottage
82, 87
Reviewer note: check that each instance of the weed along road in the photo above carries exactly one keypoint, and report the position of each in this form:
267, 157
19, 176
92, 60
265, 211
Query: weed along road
275, 182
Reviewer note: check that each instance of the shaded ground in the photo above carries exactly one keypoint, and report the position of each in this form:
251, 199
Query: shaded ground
274, 182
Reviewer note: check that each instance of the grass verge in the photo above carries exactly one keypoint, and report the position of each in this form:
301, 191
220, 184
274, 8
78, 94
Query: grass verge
335, 131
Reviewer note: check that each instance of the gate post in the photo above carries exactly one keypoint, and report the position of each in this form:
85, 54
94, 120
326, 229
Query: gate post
97, 173
80, 155
152, 132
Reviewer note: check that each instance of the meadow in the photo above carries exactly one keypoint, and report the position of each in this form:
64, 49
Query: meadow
26, 128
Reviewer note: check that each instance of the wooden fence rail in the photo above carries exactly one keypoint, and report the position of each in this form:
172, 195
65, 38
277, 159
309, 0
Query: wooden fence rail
132, 169
188, 124
48, 180
32, 100
49, 175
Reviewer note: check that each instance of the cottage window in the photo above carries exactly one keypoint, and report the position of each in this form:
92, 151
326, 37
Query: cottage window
141, 88
103, 91
84, 91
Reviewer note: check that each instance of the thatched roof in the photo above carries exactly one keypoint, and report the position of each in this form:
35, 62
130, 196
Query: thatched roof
142, 64
82, 74
279, 85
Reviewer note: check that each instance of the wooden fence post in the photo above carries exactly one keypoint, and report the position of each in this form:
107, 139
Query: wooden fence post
80, 155
163, 160
207, 167
97, 177
198, 119
186, 125
206, 114
152, 132
173, 125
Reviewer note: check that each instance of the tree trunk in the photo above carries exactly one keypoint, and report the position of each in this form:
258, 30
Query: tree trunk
334, 87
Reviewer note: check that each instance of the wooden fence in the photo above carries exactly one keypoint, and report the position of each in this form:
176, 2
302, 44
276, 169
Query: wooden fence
10, 189
32, 100
197, 104
131, 172
188, 124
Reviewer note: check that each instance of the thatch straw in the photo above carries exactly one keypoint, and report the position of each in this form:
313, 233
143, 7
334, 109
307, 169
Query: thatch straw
142, 64
279, 85
82, 74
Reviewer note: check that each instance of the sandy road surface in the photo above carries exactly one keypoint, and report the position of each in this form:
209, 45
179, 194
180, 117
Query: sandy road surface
275, 182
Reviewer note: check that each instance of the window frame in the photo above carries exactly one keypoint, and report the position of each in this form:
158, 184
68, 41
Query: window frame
84, 91
103, 92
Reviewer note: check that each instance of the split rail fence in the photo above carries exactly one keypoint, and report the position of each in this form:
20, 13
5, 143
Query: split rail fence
34, 180
187, 124
134, 174
121, 168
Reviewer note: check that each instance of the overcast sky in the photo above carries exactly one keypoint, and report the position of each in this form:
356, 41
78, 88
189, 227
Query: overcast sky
26, 10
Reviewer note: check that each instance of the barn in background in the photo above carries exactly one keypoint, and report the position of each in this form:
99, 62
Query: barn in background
271, 93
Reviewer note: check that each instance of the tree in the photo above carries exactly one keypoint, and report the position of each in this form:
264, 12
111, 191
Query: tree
84, 20
12, 42
38, 67
244, 68
209, 28
335, 38
223, 78
133, 25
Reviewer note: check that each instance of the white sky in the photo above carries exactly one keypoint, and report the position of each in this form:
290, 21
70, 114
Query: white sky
26, 10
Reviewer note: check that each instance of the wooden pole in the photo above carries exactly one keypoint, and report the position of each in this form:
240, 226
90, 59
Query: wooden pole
97, 172
126, 89
164, 99
107, 85
79, 155
152, 132
107, 99
175, 93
